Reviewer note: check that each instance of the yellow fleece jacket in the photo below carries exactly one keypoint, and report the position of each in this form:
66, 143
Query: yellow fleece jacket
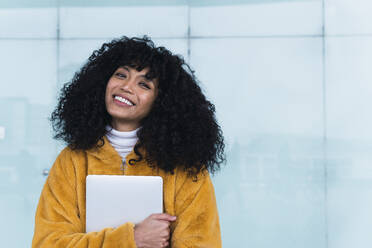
60, 214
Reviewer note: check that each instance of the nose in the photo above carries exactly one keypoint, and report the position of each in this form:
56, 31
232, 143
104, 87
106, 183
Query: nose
127, 86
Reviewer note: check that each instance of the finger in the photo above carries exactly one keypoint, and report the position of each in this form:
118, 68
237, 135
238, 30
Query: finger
165, 222
164, 216
166, 236
165, 233
164, 225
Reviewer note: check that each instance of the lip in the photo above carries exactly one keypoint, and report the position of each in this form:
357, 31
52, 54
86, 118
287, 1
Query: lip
121, 103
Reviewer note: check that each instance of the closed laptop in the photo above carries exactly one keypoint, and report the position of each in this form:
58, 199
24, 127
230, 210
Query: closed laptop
112, 200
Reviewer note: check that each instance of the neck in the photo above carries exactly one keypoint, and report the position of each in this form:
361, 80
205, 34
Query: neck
124, 127
122, 141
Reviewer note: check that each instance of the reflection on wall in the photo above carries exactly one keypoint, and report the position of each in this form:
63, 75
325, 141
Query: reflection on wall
267, 181
25, 149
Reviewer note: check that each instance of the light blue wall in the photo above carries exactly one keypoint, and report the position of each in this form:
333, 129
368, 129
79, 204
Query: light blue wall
291, 81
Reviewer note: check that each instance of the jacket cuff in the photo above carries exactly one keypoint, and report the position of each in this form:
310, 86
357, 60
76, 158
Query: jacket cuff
125, 233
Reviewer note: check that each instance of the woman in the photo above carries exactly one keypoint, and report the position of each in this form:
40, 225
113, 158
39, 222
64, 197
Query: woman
133, 109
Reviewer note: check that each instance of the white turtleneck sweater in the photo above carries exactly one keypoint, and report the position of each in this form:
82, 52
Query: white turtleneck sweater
123, 142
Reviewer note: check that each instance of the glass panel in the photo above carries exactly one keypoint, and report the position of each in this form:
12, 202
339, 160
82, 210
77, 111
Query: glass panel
118, 21
258, 18
349, 158
348, 17
271, 193
26, 146
28, 23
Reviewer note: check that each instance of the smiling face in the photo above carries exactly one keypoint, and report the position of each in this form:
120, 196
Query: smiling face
129, 97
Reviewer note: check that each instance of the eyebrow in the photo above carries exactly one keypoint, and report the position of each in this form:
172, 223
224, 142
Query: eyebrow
143, 76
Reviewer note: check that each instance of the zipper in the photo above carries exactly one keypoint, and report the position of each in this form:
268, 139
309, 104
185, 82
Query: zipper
123, 165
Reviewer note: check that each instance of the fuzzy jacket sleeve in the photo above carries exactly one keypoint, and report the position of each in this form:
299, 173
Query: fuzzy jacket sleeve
197, 223
57, 220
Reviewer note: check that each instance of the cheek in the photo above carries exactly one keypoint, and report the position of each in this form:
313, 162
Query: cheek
110, 85
150, 103
108, 98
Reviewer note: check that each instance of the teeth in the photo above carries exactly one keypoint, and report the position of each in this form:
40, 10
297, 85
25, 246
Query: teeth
123, 100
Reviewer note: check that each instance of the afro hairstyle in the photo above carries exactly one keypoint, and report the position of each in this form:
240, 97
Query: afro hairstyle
181, 128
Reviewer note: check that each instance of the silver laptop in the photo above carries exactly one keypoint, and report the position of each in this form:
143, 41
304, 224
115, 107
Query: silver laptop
112, 200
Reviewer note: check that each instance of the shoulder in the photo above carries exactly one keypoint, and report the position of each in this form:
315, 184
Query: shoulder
191, 191
67, 161
190, 183
68, 153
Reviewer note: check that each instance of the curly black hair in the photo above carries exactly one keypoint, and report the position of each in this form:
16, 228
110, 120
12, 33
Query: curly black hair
180, 129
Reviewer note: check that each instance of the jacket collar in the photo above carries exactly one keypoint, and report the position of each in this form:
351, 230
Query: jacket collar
108, 154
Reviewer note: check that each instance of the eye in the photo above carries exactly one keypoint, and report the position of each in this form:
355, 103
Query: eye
144, 85
121, 75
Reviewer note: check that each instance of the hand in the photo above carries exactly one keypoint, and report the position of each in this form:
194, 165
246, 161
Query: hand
153, 231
